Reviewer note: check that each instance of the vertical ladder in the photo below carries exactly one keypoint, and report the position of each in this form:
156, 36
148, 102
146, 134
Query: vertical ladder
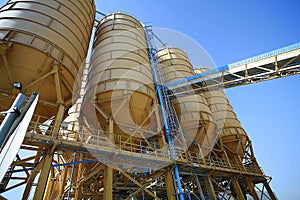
170, 119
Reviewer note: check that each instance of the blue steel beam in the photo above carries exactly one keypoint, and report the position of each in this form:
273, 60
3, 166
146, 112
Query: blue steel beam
53, 165
165, 118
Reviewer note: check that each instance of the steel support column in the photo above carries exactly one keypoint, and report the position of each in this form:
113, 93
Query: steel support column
71, 178
252, 190
42, 182
39, 193
210, 187
63, 180
50, 185
170, 186
31, 178
78, 193
199, 188
108, 182
108, 171
270, 192
237, 189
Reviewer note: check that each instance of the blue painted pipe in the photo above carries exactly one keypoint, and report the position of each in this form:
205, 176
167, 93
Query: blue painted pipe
165, 119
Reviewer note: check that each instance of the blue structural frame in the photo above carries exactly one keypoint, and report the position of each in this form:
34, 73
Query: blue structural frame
164, 114
52, 166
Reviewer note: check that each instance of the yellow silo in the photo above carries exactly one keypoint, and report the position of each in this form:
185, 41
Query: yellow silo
43, 44
232, 134
120, 83
193, 112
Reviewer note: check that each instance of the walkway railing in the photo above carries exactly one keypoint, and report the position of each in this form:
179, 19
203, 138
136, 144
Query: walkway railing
72, 134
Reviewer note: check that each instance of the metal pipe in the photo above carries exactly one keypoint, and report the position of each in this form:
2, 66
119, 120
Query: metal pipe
23, 113
164, 114
11, 115
52, 166
100, 13
178, 182
73, 163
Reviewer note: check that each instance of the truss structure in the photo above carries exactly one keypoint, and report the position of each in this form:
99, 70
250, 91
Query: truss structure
62, 160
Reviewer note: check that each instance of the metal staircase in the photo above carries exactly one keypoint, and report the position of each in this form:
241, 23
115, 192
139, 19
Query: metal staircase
172, 119
174, 126
174, 134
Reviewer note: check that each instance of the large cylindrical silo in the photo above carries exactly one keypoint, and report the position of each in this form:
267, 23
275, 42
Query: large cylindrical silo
232, 134
43, 44
193, 112
120, 82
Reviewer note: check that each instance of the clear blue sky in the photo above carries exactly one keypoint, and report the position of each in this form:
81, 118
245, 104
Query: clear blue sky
230, 31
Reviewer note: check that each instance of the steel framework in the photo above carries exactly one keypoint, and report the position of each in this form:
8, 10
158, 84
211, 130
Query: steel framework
60, 160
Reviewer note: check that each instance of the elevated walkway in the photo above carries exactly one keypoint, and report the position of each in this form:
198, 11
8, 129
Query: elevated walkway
271, 65
126, 152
